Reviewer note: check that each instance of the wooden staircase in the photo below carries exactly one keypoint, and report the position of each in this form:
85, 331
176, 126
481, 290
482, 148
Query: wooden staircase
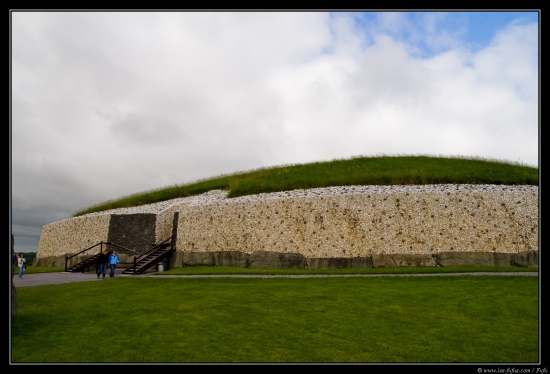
149, 259
85, 265
142, 262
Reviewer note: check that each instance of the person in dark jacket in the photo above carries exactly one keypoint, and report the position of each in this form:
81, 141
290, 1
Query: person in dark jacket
102, 261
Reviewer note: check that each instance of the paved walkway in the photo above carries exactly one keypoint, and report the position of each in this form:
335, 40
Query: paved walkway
67, 277
39, 279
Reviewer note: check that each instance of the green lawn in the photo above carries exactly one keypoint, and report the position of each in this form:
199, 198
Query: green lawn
443, 319
428, 320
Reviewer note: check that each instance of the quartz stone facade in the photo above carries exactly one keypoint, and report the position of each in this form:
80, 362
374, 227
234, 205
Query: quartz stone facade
354, 222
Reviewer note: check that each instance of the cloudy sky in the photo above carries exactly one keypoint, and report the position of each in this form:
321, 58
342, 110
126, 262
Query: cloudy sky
107, 104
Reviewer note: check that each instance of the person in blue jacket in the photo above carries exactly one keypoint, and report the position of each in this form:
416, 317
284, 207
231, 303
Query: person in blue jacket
113, 261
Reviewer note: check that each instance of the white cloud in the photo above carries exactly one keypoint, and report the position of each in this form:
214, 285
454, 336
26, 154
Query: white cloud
109, 104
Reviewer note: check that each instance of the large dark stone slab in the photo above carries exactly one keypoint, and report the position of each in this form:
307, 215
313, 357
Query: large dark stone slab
198, 259
231, 258
135, 231
263, 259
337, 263
474, 259
527, 258
398, 260
291, 260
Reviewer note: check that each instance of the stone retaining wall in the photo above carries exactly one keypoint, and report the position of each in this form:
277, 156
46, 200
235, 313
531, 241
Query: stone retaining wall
353, 229
71, 236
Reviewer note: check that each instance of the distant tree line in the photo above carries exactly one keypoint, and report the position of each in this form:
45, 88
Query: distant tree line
29, 256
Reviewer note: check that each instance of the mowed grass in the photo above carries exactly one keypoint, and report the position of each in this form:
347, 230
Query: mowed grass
386, 319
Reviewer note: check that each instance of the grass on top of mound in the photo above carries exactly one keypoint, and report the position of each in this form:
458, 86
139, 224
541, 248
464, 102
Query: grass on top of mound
379, 170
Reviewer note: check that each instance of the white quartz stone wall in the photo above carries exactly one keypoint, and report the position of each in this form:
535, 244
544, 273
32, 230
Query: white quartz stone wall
166, 210
359, 223
72, 235
331, 222
163, 229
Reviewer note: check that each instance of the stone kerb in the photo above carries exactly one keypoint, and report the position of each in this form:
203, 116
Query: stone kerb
266, 259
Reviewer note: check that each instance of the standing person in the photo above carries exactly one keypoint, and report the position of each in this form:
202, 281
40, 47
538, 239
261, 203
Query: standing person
102, 261
113, 260
21, 262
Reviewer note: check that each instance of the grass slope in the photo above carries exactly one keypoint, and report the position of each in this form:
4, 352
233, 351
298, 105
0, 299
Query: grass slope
381, 170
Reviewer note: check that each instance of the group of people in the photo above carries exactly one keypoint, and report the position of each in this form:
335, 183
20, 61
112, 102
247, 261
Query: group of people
106, 258
21, 262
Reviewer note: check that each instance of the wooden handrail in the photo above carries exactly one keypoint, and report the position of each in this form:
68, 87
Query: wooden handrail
139, 255
163, 244
67, 258
160, 245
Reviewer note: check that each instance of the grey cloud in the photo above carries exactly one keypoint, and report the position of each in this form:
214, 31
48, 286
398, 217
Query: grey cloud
109, 104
